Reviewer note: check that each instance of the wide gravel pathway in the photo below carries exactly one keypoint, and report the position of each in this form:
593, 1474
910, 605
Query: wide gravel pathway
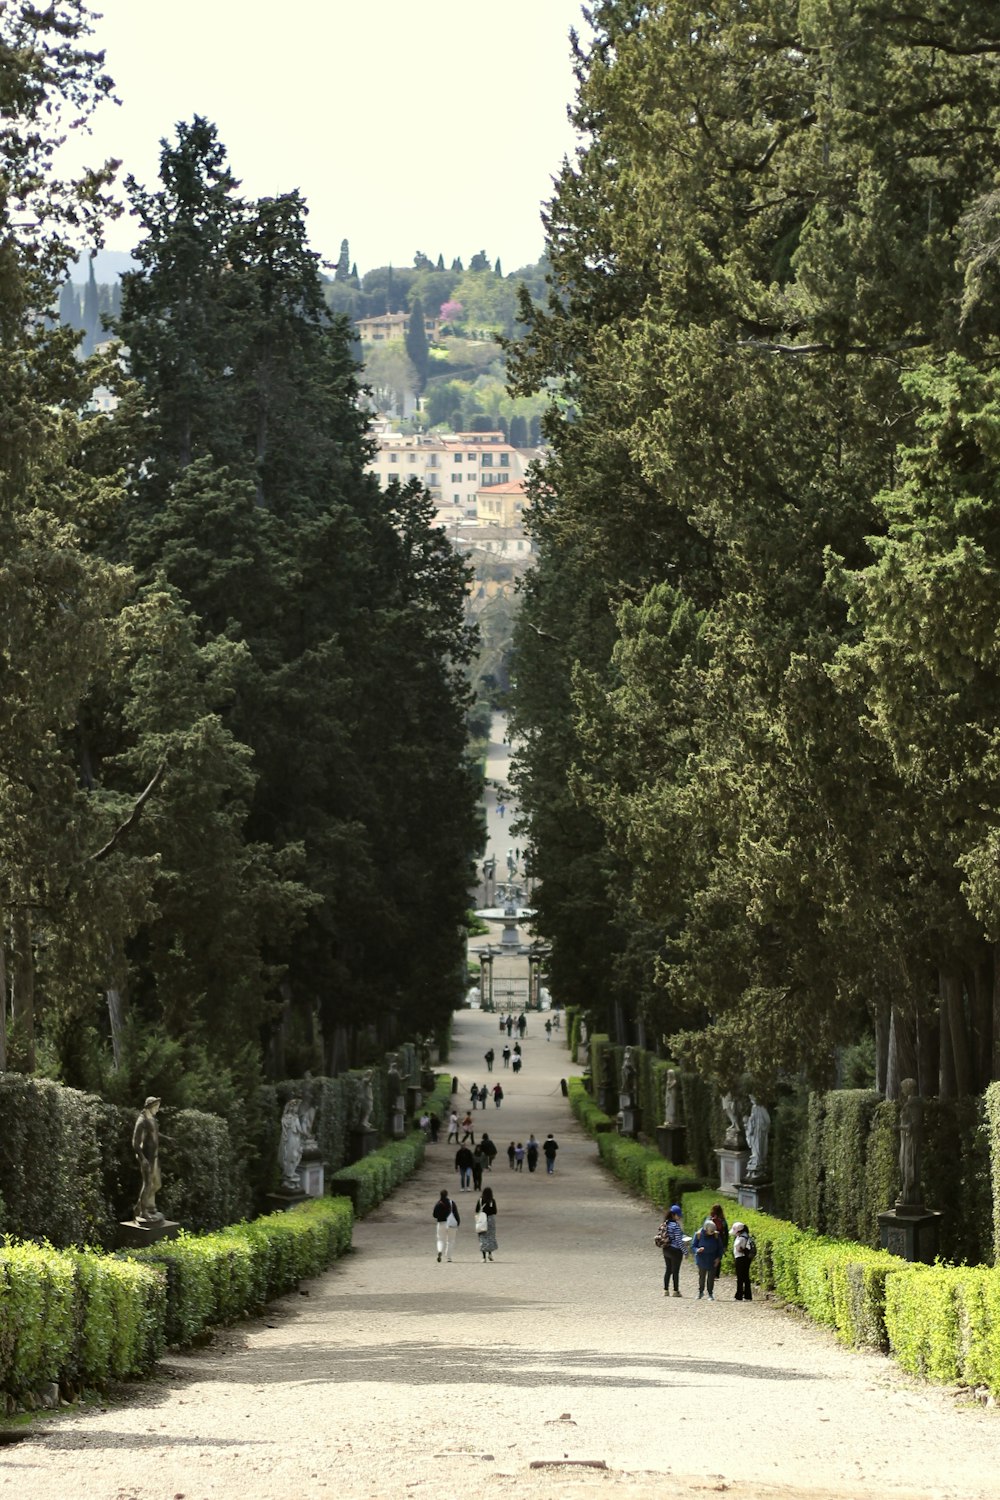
394, 1375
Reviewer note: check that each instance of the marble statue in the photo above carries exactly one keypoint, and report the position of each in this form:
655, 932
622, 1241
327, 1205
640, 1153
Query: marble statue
734, 1132
367, 1103
911, 1130
396, 1080
146, 1145
758, 1127
670, 1098
628, 1072
291, 1145
425, 1054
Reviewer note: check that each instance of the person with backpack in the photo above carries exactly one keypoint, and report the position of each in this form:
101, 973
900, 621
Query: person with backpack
670, 1239
744, 1250
549, 1148
446, 1222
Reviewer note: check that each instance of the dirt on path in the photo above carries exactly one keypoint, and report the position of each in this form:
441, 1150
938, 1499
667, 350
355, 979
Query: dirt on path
559, 1369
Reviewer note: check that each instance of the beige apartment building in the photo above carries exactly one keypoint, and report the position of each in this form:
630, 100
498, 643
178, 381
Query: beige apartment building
456, 467
385, 327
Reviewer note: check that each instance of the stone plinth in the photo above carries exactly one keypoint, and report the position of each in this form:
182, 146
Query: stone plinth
428, 1081
135, 1234
414, 1099
398, 1125
284, 1199
628, 1118
607, 1101
756, 1195
363, 1143
732, 1165
672, 1141
312, 1175
912, 1232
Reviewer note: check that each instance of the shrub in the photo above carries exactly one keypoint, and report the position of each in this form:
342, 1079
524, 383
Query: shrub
591, 1117
368, 1181
120, 1308
992, 1126
37, 1316
921, 1319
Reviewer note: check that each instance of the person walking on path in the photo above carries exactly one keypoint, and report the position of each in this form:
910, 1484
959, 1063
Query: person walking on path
489, 1058
548, 1030
463, 1166
531, 1153
452, 1128
505, 1054
519, 1157
497, 1095
510, 1026
516, 1064
486, 1208
474, 1096
478, 1164
468, 1134
435, 1127
522, 1025
722, 1229
742, 1258
671, 1240
707, 1257
549, 1148
511, 1151
446, 1222
489, 1150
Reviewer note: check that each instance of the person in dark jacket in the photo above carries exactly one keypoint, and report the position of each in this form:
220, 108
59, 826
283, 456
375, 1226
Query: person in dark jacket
707, 1258
531, 1153
741, 1259
463, 1166
445, 1210
487, 1204
489, 1150
671, 1237
549, 1148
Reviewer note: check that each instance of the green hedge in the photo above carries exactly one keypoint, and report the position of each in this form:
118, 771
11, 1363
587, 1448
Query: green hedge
368, 1181
591, 1117
72, 1317
991, 1109
217, 1278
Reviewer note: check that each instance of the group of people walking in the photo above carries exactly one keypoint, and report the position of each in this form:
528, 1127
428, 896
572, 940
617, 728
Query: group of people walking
447, 1221
708, 1245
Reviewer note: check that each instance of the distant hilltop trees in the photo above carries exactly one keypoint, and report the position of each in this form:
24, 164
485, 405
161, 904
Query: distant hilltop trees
87, 306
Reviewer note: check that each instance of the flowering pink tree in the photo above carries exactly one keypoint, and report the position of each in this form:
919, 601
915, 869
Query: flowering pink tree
451, 311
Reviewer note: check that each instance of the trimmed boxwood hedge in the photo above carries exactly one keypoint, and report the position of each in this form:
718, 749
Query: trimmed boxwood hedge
368, 1181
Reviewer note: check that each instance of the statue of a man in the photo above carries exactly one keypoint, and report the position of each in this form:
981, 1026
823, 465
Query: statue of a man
146, 1145
291, 1146
911, 1130
757, 1126
628, 1072
425, 1054
367, 1101
395, 1080
670, 1092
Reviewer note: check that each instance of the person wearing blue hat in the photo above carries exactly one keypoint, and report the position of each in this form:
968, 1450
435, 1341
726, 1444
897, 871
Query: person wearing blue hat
670, 1239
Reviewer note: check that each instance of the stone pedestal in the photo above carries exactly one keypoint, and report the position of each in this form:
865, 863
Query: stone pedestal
911, 1232
312, 1175
732, 1165
136, 1234
281, 1201
398, 1125
607, 1101
756, 1195
414, 1099
628, 1117
428, 1081
672, 1141
363, 1143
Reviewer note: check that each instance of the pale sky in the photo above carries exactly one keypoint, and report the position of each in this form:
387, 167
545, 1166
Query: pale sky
434, 127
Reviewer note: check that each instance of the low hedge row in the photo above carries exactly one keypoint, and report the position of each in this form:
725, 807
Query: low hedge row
216, 1278
75, 1317
642, 1167
368, 1181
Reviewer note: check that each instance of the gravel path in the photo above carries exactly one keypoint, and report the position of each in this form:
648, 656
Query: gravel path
396, 1376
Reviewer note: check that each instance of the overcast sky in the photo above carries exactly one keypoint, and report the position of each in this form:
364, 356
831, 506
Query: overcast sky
434, 127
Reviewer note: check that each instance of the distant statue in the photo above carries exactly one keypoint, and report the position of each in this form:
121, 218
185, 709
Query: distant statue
425, 1054
670, 1099
734, 1133
146, 1145
396, 1080
307, 1118
911, 1131
628, 1072
291, 1145
758, 1127
367, 1103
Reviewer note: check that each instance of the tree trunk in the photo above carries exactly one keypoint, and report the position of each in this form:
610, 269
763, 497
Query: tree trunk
981, 1016
116, 1011
902, 1061
928, 1051
954, 1037
23, 986
883, 1025
3, 997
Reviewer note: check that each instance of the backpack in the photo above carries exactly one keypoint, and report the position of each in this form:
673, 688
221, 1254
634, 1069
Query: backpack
751, 1246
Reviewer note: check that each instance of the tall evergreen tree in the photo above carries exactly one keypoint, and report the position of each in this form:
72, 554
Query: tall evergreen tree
416, 342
